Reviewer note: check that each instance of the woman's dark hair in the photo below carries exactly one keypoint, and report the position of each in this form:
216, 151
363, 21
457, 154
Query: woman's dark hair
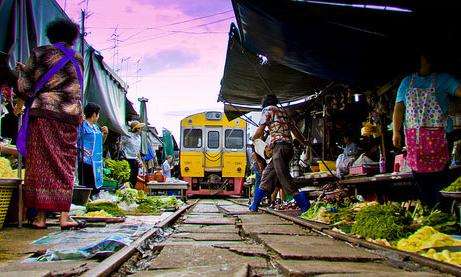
91, 109
62, 30
270, 100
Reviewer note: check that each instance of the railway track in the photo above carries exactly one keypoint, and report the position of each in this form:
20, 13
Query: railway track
221, 238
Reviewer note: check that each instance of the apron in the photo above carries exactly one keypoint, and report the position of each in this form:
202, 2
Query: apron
92, 141
427, 146
69, 56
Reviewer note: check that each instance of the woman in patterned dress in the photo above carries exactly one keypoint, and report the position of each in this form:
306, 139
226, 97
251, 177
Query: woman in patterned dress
54, 117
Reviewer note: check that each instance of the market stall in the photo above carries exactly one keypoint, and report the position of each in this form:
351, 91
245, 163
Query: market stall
342, 64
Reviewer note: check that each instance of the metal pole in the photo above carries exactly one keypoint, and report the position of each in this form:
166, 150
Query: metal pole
82, 35
82, 52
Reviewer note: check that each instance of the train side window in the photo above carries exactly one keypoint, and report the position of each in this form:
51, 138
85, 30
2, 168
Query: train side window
192, 138
234, 139
213, 139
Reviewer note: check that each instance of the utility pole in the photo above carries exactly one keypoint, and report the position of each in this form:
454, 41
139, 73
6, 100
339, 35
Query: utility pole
82, 35
115, 38
138, 69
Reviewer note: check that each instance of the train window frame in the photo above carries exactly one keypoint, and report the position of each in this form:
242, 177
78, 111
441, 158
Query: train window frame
226, 144
184, 136
208, 139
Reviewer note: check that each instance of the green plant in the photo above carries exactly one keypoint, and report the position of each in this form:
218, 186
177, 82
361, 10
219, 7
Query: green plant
454, 187
388, 221
106, 206
117, 170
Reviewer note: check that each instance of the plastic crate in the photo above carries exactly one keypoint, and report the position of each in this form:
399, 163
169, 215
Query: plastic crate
364, 170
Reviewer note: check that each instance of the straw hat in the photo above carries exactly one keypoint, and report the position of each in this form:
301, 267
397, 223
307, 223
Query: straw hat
136, 125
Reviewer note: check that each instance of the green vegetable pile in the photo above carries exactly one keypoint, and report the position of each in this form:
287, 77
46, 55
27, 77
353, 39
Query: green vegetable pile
106, 206
117, 170
388, 221
130, 196
320, 212
155, 204
454, 187
440, 221
152, 205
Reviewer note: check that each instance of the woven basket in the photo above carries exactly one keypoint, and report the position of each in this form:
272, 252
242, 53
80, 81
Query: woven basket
5, 198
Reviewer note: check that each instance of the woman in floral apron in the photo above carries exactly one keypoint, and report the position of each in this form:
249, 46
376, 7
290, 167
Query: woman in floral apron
422, 108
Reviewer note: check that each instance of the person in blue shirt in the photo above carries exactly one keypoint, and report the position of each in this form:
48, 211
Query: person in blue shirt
422, 107
91, 139
167, 166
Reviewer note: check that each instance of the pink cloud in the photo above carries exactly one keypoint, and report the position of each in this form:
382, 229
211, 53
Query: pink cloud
182, 71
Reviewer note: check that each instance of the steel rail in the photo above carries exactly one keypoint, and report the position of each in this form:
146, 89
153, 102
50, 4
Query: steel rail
327, 230
112, 263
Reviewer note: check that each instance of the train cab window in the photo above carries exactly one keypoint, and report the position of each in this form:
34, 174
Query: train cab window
213, 140
192, 138
234, 139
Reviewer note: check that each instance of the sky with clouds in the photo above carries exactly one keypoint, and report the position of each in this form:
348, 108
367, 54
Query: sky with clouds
179, 45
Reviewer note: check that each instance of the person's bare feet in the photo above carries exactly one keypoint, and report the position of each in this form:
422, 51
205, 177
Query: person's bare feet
67, 223
39, 221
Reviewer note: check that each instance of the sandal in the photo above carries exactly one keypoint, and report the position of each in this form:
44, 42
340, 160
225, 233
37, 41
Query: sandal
81, 224
35, 226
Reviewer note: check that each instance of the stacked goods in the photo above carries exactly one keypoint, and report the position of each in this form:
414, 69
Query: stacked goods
6, 172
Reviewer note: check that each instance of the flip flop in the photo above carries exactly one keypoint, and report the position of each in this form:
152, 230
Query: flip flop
80, 225
36, 227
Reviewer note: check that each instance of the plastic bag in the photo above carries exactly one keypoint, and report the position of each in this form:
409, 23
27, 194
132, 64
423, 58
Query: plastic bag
343, 163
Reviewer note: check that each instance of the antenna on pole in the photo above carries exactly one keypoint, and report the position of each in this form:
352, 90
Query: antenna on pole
125, 59
115, 38
138, 69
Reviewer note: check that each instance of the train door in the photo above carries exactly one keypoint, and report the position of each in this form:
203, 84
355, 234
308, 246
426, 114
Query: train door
213, 149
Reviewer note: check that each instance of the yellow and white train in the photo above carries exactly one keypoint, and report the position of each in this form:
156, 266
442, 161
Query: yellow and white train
213, 154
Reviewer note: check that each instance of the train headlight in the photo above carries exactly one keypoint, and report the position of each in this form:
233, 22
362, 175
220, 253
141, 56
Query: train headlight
186, 168
239, 169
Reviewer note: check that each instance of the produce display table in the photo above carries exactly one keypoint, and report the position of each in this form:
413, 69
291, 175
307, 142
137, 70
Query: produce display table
156, 187
381, 178
314, 179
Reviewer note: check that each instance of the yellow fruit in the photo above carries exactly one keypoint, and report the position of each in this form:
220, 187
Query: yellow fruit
100, 213
426, 237
5, 169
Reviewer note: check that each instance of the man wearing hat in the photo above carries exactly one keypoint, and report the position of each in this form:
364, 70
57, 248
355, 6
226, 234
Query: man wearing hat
131, 149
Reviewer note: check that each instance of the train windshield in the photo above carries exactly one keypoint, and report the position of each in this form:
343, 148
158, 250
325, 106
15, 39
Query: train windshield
213, 139
192, 138
234, 139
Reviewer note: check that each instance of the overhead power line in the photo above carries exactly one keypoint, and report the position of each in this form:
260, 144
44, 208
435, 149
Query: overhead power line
166, 25
173, 32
